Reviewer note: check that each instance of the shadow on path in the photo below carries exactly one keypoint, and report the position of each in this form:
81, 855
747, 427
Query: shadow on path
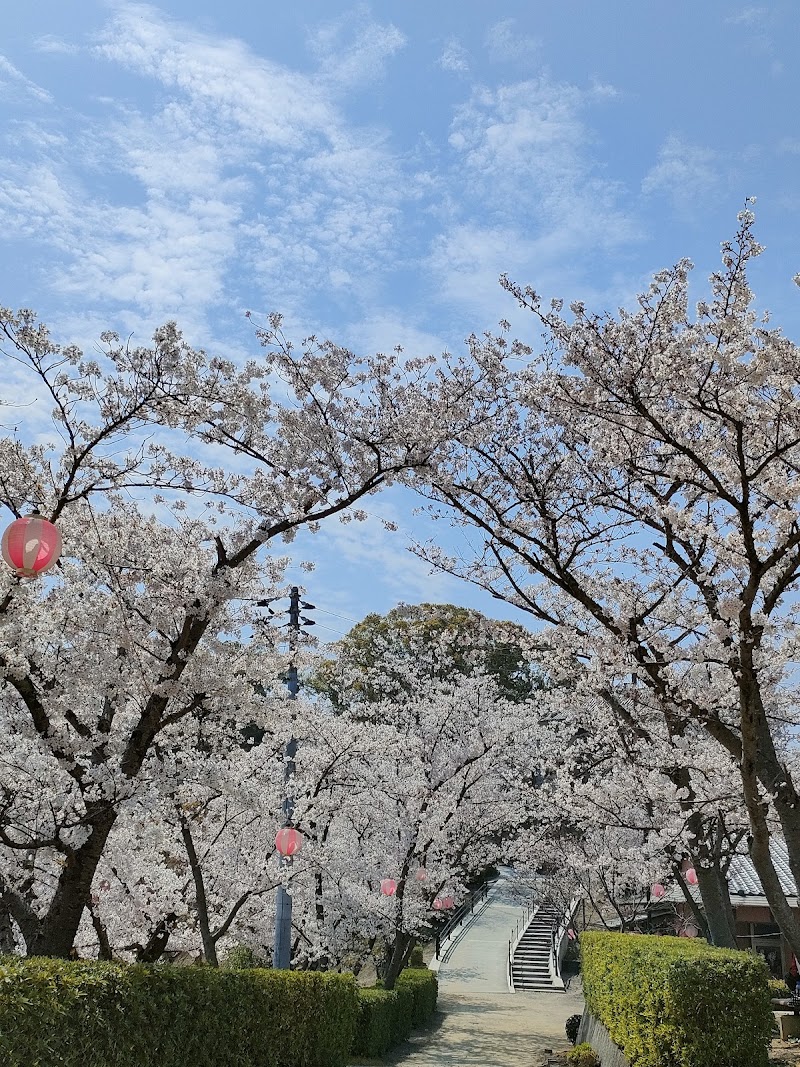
511, 1030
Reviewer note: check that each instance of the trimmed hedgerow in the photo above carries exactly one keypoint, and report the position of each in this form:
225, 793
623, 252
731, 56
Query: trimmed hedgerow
55, 1013
387, 1017
419, 989
377, 1022
673, 1002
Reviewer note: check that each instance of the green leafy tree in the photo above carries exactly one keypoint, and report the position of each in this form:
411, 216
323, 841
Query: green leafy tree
454, 639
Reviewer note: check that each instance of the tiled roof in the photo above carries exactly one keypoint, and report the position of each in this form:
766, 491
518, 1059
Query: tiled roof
743, 880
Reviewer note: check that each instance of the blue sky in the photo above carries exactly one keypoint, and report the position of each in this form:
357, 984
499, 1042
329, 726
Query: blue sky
370, 170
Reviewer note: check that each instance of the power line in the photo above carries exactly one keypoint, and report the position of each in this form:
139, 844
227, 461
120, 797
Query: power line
337, 616
331, 628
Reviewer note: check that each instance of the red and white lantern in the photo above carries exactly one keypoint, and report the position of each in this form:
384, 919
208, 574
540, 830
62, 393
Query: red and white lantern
657, 891
388, 887
31, 546
691, 876
288, 841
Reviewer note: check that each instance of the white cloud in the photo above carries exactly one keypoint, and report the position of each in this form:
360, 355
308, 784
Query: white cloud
11, 76
530, 198
684, 173
228, 86
242, 171
54, 45
506, 44
454, 57
748, 16
347, 58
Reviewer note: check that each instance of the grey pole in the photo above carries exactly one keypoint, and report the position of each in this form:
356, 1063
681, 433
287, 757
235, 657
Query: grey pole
282, 953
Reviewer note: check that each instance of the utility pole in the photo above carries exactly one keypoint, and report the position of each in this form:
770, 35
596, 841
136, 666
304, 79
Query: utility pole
282, 953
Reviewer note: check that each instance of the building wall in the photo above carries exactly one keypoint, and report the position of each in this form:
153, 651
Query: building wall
756, 931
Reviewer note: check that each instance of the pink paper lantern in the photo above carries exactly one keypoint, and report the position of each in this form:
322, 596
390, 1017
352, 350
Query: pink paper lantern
288, 841
31, 546
447, 903
691, 876
571, 934
437, 904
388, 887
657, 891
421, 875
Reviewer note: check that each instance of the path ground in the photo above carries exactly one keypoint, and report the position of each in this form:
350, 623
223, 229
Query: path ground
480, 1023
493, 1030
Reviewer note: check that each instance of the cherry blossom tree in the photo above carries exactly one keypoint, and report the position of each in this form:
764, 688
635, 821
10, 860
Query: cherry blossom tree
408, 777
636, 483
169, 474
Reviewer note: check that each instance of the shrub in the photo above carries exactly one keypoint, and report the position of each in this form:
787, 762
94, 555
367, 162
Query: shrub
583, 1055
377, 1021
571, 1028
56, 1013
242, 958
416, 959
419, 988
387, 1017
670, 1001
779, 987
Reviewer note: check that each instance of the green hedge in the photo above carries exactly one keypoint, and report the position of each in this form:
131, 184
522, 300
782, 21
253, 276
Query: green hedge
674, 1002
387, 1017
55, 1013
418, 989
377, 1022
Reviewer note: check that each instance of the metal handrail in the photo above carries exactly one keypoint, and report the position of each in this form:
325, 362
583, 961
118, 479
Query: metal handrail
529, 910
462, 911
557, 932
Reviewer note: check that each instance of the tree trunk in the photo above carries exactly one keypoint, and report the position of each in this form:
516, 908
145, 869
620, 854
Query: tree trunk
759, 764
8, 942
157, 942
104, 945
59, 927
397, 957
712, 881
209, 944
20, 911
713, 886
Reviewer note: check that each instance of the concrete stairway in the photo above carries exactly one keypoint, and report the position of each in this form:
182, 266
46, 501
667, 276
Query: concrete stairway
530, 963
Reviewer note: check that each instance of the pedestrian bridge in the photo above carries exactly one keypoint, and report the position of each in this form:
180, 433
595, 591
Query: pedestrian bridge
483, 1023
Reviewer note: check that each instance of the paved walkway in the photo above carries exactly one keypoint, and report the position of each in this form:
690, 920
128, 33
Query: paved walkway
493, 1030
480, 1023
478, 962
